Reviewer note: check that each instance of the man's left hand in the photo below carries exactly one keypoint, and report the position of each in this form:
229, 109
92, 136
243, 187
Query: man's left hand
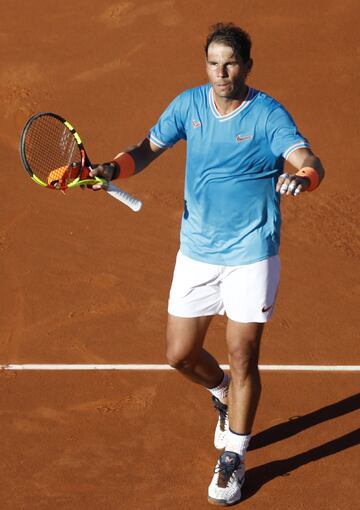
289, 184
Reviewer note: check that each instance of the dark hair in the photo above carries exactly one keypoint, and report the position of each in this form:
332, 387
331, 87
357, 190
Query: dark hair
230, 35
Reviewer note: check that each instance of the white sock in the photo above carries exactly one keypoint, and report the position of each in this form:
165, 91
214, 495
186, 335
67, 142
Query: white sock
221, 391
237, 443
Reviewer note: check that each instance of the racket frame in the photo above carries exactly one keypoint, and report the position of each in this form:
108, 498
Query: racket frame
85, 161
85, 164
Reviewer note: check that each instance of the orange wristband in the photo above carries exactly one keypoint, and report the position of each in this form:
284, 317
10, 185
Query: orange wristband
309, 173
126, 164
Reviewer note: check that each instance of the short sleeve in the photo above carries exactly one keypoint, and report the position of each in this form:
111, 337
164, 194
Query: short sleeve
282, 133
169, 129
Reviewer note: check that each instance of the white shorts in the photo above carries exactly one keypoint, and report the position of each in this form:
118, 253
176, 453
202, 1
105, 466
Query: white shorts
245, 293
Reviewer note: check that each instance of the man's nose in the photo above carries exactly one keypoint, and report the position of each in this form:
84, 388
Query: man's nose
222, 71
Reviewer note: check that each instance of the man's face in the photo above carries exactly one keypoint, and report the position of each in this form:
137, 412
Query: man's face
226, 71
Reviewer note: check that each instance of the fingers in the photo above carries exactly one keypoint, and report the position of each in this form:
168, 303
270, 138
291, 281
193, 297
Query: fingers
294, 188
105, 172
94, 172
281, 183
289, 185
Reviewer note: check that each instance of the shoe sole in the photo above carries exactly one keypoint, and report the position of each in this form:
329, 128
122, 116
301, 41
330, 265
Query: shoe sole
222, 502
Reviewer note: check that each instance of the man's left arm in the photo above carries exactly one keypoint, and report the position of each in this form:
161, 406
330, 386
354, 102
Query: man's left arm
308, 176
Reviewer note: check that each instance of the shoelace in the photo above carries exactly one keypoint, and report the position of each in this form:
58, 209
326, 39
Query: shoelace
226, 469
221, 408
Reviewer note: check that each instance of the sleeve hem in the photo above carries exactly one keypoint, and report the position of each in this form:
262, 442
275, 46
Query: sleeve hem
292, 148
158, 142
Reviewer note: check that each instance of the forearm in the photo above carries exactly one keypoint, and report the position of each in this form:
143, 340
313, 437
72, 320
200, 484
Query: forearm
303, 158
308, 174
313, 161
136, 158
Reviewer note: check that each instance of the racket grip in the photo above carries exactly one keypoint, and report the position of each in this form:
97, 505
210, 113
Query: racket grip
134, 203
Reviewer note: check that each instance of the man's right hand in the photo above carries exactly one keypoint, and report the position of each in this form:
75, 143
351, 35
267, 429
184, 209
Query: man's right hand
143, 153
104, 171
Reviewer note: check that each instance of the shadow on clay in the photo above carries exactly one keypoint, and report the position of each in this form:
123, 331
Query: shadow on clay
260, 475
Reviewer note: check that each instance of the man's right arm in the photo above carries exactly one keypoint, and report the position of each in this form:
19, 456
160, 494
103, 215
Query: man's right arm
131, 161
144, 153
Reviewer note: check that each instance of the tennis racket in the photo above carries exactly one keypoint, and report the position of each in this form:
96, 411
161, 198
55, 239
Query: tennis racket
54, 157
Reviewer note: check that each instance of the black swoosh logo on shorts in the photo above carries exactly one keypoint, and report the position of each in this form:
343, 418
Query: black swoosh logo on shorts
266, 309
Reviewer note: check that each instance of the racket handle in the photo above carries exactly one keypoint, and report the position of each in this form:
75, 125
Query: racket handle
134, 203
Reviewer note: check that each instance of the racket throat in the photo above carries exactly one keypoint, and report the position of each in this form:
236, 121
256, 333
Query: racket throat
61, 178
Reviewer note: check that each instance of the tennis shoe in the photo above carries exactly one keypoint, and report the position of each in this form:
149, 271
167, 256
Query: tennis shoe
222, 425
228, 479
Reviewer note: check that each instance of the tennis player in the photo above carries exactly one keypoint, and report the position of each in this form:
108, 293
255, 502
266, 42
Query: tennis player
238, 139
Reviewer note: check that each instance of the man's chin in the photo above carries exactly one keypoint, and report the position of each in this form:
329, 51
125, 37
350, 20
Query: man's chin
223, 89
224, 94
227, 93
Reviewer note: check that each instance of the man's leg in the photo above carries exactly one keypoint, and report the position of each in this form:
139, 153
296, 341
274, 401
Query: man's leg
243, 341
184, 341
185, 352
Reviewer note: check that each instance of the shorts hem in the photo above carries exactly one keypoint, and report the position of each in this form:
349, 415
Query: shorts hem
247, 321
186, 315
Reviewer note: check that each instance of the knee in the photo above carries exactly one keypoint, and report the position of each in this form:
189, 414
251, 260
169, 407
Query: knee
178, 362
243, 365
245, 374
173, 359
184, 338
180, 359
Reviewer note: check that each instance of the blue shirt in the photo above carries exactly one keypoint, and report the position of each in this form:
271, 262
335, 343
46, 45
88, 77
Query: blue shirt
231, 209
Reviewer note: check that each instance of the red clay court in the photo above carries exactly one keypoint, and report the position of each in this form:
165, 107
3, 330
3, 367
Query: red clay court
84, 280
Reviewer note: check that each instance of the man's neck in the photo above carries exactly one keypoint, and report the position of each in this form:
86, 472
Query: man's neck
227, 105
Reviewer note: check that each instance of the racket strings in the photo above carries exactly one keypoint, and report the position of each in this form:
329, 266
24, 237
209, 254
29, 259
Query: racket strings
52, 151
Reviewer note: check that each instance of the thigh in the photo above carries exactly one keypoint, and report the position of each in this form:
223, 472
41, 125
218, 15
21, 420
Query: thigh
243, 340
185, 335
249, 291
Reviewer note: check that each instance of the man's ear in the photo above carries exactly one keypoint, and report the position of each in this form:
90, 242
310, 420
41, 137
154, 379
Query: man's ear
249, 65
